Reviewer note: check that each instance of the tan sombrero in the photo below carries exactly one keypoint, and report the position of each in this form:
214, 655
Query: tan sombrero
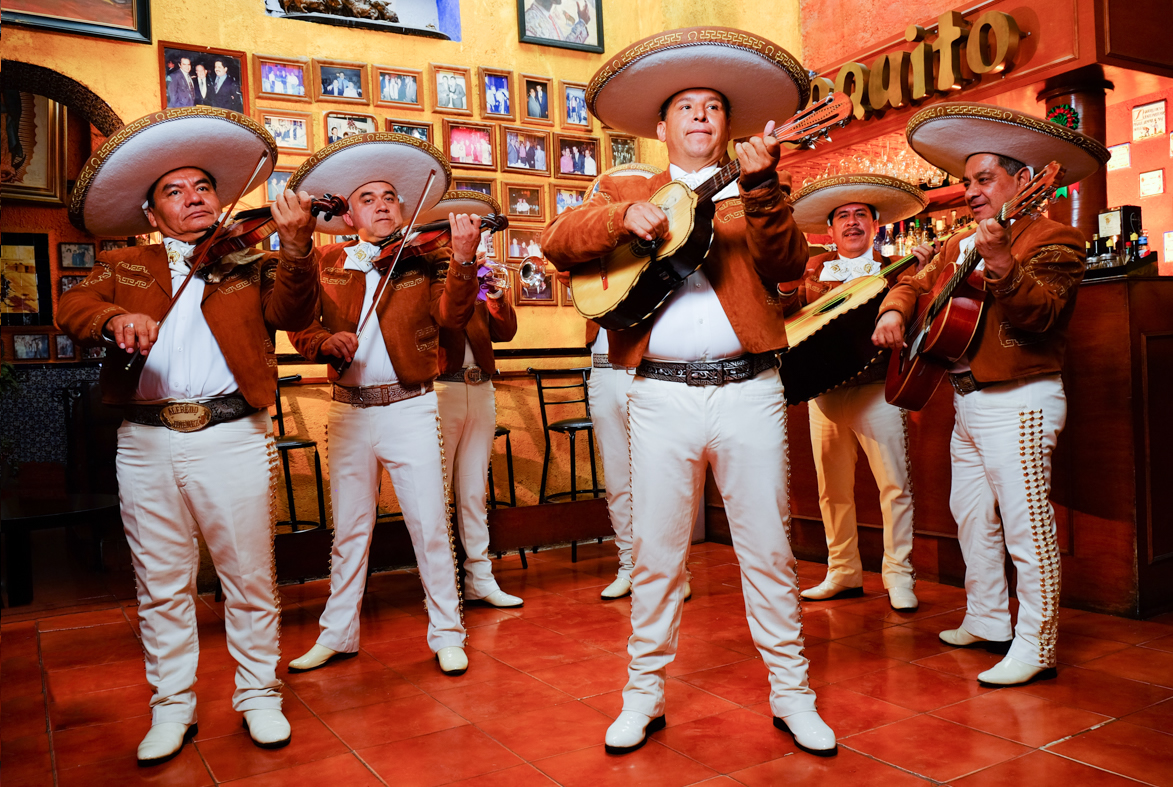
761, 80
460, 201
399, 159
623, 171
110, 191
947, 134
893, 199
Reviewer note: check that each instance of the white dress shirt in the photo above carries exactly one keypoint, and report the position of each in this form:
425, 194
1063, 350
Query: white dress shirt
186, 362
848, 268
692, 325
372, 363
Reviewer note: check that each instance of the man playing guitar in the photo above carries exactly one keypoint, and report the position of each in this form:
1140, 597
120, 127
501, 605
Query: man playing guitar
1009, 395
706, 390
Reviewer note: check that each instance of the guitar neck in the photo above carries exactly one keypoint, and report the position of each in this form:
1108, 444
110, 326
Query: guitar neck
732, 171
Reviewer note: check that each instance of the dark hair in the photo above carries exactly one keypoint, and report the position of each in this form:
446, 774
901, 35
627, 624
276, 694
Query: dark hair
667, 101
151, 190
1011, 165
872, 208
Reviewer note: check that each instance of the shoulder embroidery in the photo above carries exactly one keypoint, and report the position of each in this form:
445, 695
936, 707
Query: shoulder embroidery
425, 333
403, 284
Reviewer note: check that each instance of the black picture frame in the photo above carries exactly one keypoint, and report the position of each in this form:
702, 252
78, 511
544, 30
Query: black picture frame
16, 285
527, 35
139, 32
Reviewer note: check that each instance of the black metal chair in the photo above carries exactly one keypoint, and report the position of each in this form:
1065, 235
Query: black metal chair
567, 426
503, 431
290, 442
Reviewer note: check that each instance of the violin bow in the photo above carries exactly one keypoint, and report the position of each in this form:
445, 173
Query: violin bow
198, 262
387, 276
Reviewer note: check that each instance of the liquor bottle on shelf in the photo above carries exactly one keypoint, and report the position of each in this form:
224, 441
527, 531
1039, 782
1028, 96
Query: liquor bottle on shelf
1142, 245
878, 241
889, 247
901, 241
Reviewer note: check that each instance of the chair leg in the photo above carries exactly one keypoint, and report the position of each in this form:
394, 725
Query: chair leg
545, 471
509, 472
573, 551
492, 490
524, 562
289, 490
594, 474
321, 493
573, 473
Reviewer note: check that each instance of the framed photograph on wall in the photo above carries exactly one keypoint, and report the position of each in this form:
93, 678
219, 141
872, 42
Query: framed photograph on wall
535, 100
114, 245
280, 77
30, 346
563, 196
485, 186
574, 108
277, 183
67, 283
621, 149
577, 25
27, 286
576, 157
450, 90
129, 20
203, 76
544, 293
339, 80
522, 242
525, 150
566, 297
33, 156
399, 87
76, 255
496, 87
66, 349
421, 130
469, 144
524, 201
292, 130
340, 125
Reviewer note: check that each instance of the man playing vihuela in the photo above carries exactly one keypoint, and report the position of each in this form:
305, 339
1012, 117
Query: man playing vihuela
1009, 400
384, 410
468, 410
706, 388
855, 415
195, 452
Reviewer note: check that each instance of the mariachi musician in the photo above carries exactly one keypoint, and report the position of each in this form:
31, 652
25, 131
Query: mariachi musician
706, 388
855, 415
468, 409
1009, 400
384, 411
195, 451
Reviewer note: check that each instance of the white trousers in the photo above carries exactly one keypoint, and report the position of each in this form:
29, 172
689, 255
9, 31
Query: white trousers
1001, 450
842, 422
217, 483
468, 420
403, 437
607, 391
740, 429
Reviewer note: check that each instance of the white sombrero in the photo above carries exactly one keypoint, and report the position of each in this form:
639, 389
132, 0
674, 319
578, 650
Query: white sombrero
399, 159
761, 80
110, 191
947, 134
460, 201
893, 199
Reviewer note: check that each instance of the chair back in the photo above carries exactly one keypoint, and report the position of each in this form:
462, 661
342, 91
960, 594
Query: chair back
280, 416
554, 390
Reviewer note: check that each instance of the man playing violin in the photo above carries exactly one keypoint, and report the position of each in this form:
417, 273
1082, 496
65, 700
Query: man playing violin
195, 452
1009, 400
384, 409
706, 390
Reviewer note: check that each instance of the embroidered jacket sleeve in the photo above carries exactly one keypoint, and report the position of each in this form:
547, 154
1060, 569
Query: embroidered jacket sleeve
777, 247
454, 289
83, 311
592, 229
1048, 266
289, 290
912, 284
502, 319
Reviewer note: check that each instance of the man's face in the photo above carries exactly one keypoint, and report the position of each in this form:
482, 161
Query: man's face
201, 70
375, 211
694, 127
853, 229
185, 65
219, 69
988, 186
185, 204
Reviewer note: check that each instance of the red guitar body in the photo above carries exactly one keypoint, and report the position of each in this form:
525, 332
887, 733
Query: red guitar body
916, 371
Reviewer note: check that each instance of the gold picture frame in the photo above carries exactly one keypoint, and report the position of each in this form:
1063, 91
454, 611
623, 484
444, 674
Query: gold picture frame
35, 170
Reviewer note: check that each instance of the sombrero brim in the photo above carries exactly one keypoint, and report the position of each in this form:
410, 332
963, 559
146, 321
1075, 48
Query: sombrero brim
946, 135
399, 159
761, 80
108, 197
460, 201
893, 199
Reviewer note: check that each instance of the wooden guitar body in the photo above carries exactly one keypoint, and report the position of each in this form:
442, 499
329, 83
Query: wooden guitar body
626, 286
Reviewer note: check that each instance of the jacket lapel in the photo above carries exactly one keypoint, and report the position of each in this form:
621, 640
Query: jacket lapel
156, 260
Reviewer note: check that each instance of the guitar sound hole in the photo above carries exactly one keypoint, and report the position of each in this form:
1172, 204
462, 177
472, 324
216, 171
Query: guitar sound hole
833, 304
644, 248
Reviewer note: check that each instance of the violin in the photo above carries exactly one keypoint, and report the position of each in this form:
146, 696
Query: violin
252, 226
428, 238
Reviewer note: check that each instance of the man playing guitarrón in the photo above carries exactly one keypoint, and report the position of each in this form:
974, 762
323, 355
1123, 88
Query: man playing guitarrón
855, 415
1008, 396
195, 451
706, 389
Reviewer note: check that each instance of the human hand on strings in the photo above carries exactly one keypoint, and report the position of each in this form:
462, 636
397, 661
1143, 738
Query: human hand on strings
889, 331
646, 220
759, 158
295, 223
992, 241
466, 236
925, 252
341, 345
133, 332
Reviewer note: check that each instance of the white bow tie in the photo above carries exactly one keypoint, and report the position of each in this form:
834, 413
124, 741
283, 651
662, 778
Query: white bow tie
178, 253
361, 257
848, 268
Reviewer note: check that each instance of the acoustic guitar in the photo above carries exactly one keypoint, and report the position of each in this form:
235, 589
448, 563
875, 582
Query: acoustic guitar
630, 283
951, 313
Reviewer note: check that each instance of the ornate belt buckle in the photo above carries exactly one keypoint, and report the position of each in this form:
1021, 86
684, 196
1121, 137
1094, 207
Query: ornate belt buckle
963, 383
697, 374
473, 375
185, 416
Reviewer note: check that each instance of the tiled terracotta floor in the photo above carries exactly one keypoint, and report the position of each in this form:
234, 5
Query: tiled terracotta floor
544, 681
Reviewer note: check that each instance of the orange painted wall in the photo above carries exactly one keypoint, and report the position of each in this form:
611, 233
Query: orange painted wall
1147, 154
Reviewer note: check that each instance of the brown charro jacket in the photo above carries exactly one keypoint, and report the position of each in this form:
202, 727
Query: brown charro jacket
1024, 323
493, 320
756, 244
244, 311
592, 332
430, 293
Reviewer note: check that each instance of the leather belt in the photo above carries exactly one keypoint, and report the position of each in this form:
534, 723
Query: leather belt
730, 370
472, 375
966, 383
378, 395
601, 360
190, 416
